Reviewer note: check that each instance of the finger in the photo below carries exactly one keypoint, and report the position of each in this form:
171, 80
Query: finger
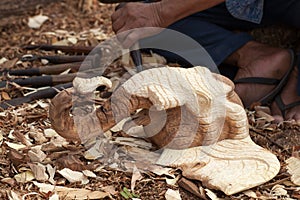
121, 36
131, 39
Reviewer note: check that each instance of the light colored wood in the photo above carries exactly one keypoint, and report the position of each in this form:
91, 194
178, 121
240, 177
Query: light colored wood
193, 114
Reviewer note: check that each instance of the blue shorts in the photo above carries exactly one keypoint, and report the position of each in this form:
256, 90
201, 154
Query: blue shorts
213, 30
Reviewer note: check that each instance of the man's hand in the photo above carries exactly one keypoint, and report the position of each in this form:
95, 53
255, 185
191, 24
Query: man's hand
129, 21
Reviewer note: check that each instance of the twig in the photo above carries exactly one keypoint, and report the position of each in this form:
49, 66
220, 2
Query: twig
271, 140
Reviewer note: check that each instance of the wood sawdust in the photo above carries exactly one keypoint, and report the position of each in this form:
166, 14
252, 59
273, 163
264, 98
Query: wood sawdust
28, 125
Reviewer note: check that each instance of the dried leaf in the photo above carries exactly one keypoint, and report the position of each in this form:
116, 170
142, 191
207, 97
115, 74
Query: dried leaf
5, 95
110, 189
15, 146
172, 195
51, 171
278, 190
24, 177
250, 193
1, 138
136, 176
39, 171
192, 188
73, 176
49, 133
3, 60
159, 170
9, 181
294, 169
133, 142
172, 181
70, 193
72, 40
13, 195
54, 197
37, 21
89, 173
211, 195
118, 127
71, 162
36, 154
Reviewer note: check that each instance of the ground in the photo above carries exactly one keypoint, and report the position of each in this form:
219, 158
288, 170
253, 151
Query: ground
29, 124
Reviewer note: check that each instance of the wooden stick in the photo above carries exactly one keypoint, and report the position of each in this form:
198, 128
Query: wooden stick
41, 94
40, 81
63, 48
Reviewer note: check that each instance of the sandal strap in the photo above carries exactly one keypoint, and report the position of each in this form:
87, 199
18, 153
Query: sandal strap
258, 80
266, 100
283, 107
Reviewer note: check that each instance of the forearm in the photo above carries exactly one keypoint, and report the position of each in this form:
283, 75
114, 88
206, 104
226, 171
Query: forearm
174, 10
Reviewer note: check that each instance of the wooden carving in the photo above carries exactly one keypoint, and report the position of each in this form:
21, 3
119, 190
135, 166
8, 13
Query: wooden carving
193, 114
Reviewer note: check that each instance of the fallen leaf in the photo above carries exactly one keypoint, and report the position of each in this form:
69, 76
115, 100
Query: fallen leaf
1, 138
36, 154
73, 176
89, 173
49, 133
37, 21
279, 191
172, 181
15, 146
71, 162
192, 188
136, 176
118, 127
250, 193
159, 170
24, 177
51, 171
54, 197
5, 95
172, 195
71, 193
13, 195
9, 181
133, 142
294, 169
211, 195
73, 40
3, 60
110, 189
39, 171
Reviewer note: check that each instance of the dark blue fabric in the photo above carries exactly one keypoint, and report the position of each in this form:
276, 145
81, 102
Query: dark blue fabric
213, 27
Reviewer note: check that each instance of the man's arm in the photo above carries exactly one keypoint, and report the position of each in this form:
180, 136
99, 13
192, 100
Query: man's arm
160, 14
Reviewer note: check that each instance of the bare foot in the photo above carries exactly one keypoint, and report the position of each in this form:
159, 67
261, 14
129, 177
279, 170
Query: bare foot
259, 60
288, 95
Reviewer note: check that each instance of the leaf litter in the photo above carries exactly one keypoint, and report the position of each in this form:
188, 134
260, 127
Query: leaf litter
42, 165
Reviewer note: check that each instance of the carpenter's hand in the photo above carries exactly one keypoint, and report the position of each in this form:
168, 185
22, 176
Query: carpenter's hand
128, 22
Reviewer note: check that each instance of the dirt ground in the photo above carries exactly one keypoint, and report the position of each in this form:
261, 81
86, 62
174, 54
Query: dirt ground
28, 125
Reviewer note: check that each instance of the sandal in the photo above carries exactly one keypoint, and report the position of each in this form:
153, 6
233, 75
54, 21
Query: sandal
280, 83
278, 100
283, 107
